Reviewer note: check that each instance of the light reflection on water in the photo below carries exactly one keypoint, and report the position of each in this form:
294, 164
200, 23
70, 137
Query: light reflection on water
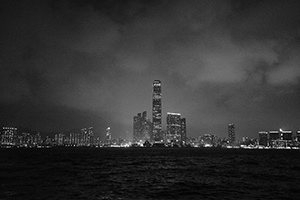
149, 174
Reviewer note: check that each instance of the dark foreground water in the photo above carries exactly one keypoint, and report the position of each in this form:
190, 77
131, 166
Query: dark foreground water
114, 173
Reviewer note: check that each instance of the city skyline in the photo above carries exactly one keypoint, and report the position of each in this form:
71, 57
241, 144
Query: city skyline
78, 64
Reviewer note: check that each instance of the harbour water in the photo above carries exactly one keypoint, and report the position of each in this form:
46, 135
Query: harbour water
147, 173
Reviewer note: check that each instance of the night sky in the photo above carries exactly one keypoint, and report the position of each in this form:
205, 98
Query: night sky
72, 64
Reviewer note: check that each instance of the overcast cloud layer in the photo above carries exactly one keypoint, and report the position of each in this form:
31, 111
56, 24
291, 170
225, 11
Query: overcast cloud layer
72, 64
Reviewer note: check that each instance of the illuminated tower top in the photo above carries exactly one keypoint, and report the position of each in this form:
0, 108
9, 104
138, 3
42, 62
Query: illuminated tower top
156, 111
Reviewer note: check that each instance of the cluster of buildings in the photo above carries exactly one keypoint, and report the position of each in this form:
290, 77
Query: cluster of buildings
145, 131
11, 137
278, 139
84, 138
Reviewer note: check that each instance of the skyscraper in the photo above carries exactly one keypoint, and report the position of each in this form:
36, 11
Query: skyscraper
108, 135
136, 128
146, 128
90, 138
142, 128
173, 135
156, 112
84, 137
231, 133
183, 131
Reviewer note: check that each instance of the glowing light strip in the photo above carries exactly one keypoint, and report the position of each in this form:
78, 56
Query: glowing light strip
170, 113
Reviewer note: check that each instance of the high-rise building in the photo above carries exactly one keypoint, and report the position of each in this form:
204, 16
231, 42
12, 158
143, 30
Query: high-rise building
146, 128
72, 139
83, 138
142, 128
61, 139
77, 139
156, 112
263, 138
183, 131
173, 135
108, 134
135, 129
231, 133
90, 139
273, 137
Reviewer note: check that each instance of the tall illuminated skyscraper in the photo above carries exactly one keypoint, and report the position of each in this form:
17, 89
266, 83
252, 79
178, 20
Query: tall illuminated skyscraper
231, 133
156, 112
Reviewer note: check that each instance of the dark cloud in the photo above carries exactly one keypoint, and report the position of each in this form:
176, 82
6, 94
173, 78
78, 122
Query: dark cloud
220, 62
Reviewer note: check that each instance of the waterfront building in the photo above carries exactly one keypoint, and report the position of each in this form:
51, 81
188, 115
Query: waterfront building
26, 140
67, 141
280, 138
273, 137
156, 112
61, 139
37, 139
108, 135
183, 131
231, 133
8, 136
90, 136
83, 138
208, 140
77, 139
48, 141
72, 139
263, 138
173, 135
286, 135
136, 128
